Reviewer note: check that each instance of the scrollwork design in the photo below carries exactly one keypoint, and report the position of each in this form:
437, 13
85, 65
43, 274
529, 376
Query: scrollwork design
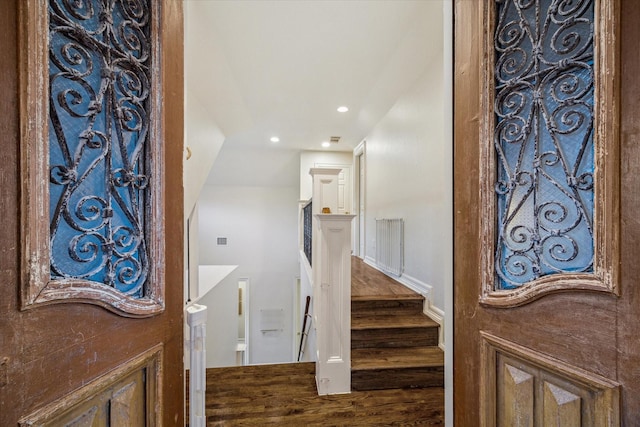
99, 86
543, 139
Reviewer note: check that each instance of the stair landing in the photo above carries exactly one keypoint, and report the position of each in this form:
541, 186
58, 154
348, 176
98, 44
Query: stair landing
368, 283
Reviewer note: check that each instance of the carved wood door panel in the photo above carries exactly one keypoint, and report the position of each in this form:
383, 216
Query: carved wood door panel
92, 135
547, 192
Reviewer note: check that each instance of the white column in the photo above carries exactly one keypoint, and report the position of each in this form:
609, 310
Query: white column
197, 321
332, 302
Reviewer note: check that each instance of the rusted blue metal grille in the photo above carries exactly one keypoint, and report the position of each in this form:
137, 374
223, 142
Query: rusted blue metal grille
544, 94
99, 84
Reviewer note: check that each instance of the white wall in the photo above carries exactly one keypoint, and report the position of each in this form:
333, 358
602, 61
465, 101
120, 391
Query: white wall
259, 219
408, 175
222, 318
204, 139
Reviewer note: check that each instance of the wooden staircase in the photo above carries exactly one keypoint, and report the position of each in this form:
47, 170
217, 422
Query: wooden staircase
393, 343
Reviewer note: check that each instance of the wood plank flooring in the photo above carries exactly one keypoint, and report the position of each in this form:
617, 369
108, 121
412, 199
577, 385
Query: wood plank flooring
379, 358
369, 283
286, 395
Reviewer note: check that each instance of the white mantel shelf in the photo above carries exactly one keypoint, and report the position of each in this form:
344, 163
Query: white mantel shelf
334, 217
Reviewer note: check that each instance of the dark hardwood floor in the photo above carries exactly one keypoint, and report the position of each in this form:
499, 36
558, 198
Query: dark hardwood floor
286, 395
368, 283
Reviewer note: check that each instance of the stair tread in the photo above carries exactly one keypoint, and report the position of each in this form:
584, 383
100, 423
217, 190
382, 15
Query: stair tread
369, 281
389, 297
391, 322
396, 358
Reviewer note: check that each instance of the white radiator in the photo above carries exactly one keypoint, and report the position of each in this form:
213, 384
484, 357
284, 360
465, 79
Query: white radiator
197, 321
390, 245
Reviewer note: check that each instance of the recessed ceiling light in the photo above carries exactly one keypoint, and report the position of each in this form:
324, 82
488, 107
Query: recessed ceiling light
326, 144
343, 109
275, 139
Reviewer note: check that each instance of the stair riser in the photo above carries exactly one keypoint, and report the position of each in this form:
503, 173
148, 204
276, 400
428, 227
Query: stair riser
397, 378
386, 307
402, 337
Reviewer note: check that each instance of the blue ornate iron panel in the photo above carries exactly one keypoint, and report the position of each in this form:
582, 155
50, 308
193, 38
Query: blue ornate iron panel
99, 102
544, 96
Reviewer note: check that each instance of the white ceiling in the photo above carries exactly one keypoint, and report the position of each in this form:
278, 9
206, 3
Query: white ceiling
264, 68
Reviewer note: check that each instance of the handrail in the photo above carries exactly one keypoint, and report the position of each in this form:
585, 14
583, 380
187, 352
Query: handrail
304, 332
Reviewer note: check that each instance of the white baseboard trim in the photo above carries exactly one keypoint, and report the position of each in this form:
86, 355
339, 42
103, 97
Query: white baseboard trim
437, 316
370, 261
416, 285
433, 312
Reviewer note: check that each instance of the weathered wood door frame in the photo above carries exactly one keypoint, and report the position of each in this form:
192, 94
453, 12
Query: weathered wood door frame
53, 356
578, 333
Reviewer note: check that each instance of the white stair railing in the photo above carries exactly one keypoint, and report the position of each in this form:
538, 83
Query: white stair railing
197, 321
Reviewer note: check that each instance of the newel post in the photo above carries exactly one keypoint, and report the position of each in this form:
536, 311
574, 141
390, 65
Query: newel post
332, 306
331, 285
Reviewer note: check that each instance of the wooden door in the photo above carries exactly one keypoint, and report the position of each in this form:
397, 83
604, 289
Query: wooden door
558, 347
74, 351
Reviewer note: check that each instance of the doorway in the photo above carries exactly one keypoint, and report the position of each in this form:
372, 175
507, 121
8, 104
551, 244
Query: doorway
360, 199
242, 349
